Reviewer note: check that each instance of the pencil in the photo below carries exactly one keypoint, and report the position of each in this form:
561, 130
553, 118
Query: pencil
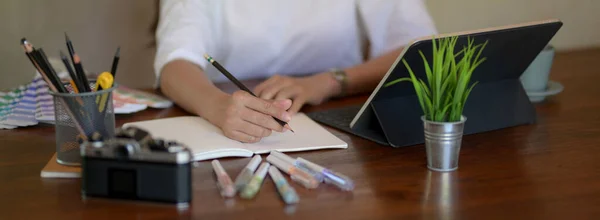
239, 84
78, 66
50, 71
113, 69
29, 51
78, 86
81, 74
52, 75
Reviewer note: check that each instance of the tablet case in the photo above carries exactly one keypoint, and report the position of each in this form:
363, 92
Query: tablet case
393, 116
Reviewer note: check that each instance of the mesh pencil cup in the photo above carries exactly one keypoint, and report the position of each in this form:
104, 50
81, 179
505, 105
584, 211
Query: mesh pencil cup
79, 115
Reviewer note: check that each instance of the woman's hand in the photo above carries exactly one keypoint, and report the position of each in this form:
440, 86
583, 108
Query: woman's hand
312, 89
246, 118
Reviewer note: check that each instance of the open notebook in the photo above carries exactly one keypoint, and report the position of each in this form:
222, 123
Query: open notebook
208, 142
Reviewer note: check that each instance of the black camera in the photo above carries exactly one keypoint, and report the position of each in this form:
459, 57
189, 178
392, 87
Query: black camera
134, 166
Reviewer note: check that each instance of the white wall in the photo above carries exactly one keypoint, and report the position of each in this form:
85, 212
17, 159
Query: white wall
98, 26
581, 18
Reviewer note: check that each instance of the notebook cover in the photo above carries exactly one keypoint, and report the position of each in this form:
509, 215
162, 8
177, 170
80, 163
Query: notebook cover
55, 170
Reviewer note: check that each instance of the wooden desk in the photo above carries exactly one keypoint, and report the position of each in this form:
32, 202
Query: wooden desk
550, 170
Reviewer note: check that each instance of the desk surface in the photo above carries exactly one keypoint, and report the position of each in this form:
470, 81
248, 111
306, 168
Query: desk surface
547, 170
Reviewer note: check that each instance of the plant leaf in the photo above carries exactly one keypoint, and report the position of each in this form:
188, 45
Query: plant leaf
427, 69
481, 50
427, 92
466, 96
444, 112
430, 113
416, 85
443, 95
396, 81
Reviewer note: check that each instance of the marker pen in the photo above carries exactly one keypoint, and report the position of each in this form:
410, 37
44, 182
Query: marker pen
287, 193
297, 175
317, 175
246, 175
254, 185
331, 177
224, 182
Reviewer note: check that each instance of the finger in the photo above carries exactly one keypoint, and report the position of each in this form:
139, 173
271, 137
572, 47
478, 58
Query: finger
271, 90
284, 104
266, 107
254, 130
241, 136
259, 89
297, 105
288, 93
259, 119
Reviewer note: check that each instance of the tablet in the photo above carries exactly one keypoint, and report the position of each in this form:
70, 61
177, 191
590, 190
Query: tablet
392, 116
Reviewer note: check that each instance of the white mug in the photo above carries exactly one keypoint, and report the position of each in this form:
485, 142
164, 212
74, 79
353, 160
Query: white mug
536, 76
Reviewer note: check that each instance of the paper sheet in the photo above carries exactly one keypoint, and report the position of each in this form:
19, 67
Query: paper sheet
30, 104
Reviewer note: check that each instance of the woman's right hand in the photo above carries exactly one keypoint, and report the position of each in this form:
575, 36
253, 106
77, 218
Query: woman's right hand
246, 118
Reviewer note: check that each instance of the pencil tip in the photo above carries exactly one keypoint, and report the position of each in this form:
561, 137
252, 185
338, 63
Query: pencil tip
292, 131
67, 36
118, 53
62, 54
206, 56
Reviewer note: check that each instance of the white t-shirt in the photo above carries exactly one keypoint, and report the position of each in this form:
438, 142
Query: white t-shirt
260, 38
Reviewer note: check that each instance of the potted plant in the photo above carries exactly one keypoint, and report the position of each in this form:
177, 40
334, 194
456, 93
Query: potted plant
443, 96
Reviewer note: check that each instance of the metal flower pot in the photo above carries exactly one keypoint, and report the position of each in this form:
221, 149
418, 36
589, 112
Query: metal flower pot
442, 143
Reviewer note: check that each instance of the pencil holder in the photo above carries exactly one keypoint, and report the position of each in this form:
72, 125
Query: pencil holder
80, 116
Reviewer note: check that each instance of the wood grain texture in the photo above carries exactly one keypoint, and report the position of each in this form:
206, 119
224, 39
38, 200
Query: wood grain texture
549, 170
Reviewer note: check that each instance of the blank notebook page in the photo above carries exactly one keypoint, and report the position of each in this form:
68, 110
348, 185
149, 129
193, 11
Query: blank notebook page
207, 141
309, 136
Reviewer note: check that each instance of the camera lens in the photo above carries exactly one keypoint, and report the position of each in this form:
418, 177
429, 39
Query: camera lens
123, 151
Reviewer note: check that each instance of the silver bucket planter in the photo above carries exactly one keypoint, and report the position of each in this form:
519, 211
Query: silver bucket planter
442, 143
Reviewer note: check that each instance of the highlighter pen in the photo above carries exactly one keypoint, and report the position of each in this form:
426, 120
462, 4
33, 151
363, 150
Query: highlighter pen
331, 177
246, 175
297, 175
224, 182
254, 185
317, 175
287, 193
105, 80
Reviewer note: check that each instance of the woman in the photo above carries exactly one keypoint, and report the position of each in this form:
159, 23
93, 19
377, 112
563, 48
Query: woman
345, 47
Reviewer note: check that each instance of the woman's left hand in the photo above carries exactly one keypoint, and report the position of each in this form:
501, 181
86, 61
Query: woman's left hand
310, 89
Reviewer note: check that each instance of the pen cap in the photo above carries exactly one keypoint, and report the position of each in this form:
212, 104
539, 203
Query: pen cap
217, 167
105, 80
310, 165
283, 157
275, 174
253, 164
282, 165
262, 170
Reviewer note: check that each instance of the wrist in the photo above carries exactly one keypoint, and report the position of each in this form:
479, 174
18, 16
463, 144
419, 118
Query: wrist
339, 81
210, 106
330, 86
